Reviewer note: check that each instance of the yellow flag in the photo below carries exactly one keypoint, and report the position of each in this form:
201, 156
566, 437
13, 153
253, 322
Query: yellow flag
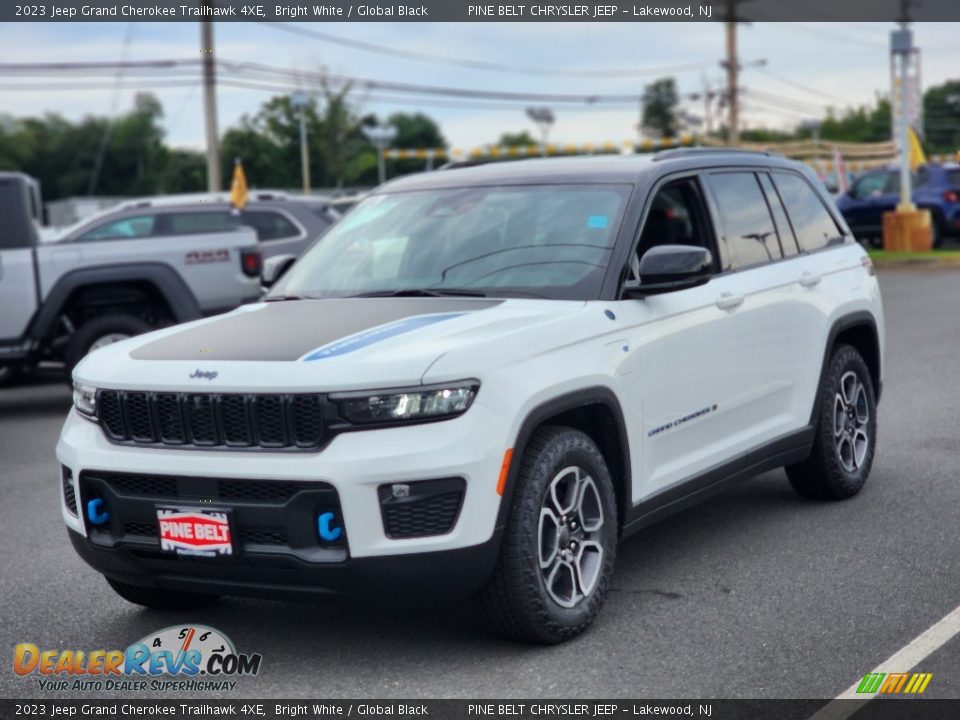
917, 158
238, 188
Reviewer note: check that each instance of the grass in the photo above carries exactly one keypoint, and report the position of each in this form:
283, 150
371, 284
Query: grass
894, 257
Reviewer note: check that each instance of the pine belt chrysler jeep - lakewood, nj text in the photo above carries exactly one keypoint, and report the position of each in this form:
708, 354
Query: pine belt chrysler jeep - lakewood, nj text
478, 382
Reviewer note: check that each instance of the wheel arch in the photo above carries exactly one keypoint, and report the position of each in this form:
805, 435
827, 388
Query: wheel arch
161, 278
859, 330
596, 412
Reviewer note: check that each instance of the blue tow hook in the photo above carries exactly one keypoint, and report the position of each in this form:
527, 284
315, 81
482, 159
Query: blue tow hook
95, 512
326, 527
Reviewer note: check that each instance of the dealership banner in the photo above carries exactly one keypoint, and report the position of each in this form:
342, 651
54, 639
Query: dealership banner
474, 11
472, 709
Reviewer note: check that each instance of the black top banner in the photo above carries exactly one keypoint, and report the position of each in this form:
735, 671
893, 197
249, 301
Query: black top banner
477, 11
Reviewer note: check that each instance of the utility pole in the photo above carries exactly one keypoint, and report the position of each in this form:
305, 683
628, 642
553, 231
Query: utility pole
214, 181
733, 67
299, 101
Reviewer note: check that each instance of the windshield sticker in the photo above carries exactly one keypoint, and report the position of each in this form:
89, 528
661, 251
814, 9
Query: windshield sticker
597, 221
369, 337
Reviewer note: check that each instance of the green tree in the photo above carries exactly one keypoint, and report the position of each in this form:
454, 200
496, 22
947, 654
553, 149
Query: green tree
660, 108
414, 131
941, 116
517, 139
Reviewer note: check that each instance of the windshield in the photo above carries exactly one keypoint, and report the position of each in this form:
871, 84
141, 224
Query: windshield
550, 241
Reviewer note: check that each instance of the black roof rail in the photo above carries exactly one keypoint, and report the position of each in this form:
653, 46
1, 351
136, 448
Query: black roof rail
692, 151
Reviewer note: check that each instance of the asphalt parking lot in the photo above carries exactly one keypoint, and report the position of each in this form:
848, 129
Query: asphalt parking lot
757, 594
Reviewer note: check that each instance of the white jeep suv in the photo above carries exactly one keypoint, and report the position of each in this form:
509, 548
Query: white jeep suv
478, 382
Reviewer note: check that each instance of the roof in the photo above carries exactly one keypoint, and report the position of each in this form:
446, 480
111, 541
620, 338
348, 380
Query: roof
612, 169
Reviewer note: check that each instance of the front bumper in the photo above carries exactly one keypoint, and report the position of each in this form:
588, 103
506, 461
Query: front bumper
351, 472
435, 575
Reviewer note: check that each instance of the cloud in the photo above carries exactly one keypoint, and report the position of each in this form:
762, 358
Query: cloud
840, 64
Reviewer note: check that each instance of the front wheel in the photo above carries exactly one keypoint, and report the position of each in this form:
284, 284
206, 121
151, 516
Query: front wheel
846, 432
557, 557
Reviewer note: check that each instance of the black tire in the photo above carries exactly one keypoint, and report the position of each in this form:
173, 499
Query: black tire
161, 599
516, 602
936, 231
7, 374
836, 470
93, 330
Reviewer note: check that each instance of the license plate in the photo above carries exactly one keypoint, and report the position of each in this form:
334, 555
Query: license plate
195, 531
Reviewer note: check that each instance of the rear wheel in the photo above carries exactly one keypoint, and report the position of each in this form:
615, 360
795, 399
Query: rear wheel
161, 599
557, 556
6, 374
100, 332
936, 231
846, 432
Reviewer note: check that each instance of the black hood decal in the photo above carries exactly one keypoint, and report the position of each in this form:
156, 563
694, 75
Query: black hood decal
289, 330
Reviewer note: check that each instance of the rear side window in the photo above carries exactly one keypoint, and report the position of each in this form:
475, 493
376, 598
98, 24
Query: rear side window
871, 185
788, 243
748, 236
136, 226
187, 223
269, 225
813, 225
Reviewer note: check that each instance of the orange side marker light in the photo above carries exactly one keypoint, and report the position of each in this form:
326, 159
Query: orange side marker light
504, 471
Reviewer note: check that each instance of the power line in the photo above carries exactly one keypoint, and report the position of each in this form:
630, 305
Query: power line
481, 64
242, 67
800, 86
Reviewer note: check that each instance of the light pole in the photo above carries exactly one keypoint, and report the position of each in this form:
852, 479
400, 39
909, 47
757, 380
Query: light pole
814, 126
544, 118
299, 101
381, 136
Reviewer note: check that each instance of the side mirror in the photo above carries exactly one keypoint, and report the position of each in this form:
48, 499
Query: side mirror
274, 269
666, 268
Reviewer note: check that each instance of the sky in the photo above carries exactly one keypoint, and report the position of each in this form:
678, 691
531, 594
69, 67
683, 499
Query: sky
808, 67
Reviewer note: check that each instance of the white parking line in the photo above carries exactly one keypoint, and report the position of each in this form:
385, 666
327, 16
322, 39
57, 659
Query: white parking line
906, 658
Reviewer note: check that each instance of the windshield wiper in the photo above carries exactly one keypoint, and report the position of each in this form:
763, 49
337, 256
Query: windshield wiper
420, 292
287, 298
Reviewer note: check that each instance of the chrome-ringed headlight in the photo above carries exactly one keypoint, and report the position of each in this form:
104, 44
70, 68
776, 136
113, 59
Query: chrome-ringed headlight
85, 400
407, 405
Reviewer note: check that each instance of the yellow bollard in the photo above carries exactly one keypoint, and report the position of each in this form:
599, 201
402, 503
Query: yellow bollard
907, 230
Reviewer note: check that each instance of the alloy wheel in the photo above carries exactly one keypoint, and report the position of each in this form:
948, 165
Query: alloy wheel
851, 421
570, 552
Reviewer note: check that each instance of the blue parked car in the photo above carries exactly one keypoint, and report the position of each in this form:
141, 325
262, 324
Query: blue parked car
935, 188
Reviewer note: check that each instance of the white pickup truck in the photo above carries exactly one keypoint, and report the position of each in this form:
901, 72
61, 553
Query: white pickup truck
60, 300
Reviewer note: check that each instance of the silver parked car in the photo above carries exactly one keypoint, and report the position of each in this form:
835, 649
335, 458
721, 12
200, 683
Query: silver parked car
284, 224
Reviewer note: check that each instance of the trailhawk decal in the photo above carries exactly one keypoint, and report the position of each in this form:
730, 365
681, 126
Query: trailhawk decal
362, 340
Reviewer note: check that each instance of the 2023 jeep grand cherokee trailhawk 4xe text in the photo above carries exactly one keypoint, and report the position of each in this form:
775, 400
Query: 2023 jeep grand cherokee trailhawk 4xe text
479, 382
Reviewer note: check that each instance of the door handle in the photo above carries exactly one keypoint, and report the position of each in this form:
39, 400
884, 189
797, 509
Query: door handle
728, 301
808, 279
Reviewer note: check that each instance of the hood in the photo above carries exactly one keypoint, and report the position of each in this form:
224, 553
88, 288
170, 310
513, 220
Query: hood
328, 345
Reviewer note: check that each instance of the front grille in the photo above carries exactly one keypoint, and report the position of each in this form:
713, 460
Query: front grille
170, 487
263, 537
143, 529
430, 508
212, 420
